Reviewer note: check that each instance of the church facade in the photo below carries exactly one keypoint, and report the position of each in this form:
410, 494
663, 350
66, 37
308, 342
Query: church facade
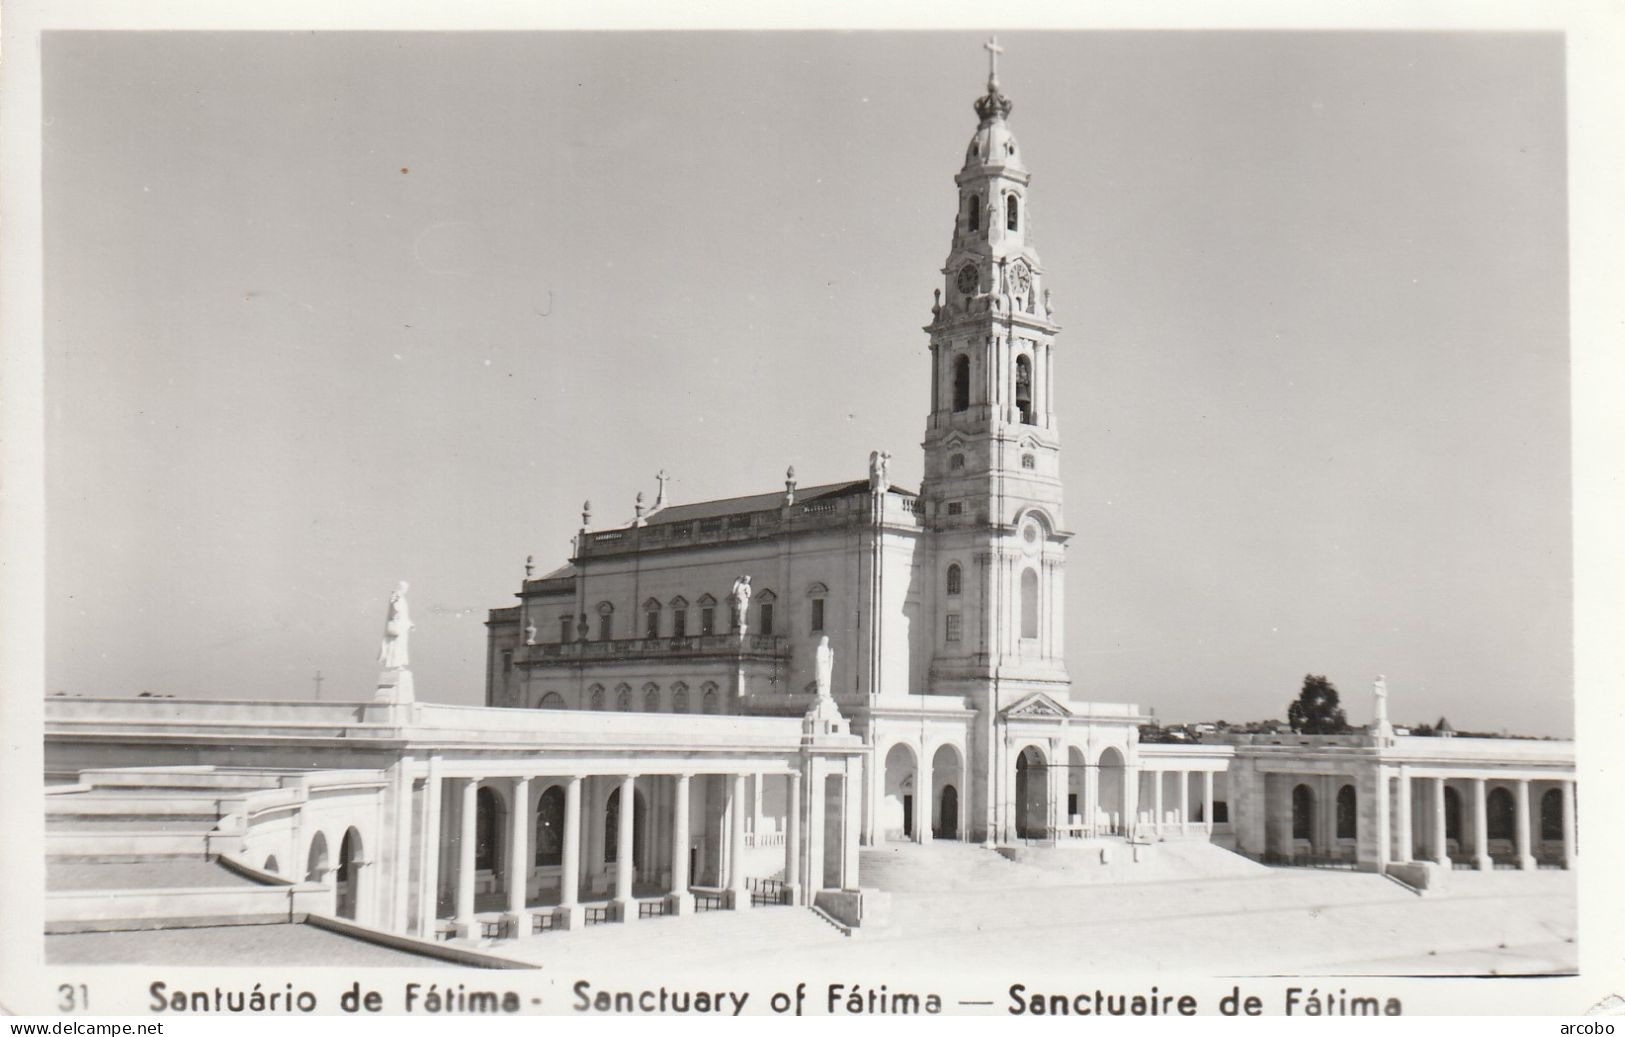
945, 609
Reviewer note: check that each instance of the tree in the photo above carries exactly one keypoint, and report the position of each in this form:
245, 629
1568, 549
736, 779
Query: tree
1316, 711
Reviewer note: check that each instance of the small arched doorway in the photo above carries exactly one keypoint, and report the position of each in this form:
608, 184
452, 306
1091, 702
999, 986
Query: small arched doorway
947, 774
1303, 816
1032, 794
1109, 791
1501, 814
347, 882
900, 800
1347, 813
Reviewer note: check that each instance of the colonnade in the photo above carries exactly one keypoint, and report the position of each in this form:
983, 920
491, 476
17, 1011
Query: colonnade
1435, 826
1168, 815
623, 905
1181, 824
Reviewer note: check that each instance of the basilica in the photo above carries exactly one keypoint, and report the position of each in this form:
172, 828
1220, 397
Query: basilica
717, 705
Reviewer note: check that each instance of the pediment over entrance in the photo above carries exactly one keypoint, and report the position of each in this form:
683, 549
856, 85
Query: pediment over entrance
1037, 705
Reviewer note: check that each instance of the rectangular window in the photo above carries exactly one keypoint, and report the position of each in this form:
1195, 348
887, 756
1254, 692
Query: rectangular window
766, 624
651, 624
606, 626
733, 617
956, 507
708, 621
952, 633
679, 623
818, 615
566, 629
507, 659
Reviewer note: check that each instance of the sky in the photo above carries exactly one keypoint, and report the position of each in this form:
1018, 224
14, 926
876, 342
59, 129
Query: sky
329, 311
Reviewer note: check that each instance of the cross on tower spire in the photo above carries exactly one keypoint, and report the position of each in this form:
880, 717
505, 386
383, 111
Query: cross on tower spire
993, 51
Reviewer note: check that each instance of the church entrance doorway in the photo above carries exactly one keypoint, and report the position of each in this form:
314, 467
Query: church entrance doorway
898, 798
948, 827
947, 774
1032, 795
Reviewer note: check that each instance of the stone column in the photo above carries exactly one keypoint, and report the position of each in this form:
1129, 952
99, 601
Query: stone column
465, 858
1056, 778
1091, 792
736, 844
1520, 830
682, 902
1382, 829
849, 857
1569, 828
624, 857
397, 895
569, 913
1207, 802
429, 890
519, 860
1156, 799
1405, 854
792, 839
922, 796
1481, 832
1184, 801
1441, 852
815, 829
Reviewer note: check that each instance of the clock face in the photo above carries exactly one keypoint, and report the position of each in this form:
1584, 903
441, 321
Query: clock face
967, 278
1021, 278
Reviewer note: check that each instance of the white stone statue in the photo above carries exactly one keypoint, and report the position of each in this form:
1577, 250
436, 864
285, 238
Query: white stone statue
741, 600
879, 478
392, 654
824, 666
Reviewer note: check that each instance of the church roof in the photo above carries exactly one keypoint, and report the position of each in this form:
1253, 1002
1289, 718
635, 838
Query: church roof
758, 502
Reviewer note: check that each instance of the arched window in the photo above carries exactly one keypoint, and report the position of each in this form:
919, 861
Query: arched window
606, 621
1024, 389
955, 579
956, 463
1347, 815
1028, 461
552, 700
1501, 814
595, 697
679, 697
1029, 603
623, 698
270, 864
961, 382
708, 701
651, 618
1010, 207
651, 698
550, 827
487, 825
1551, 815
975, 213
1303, 812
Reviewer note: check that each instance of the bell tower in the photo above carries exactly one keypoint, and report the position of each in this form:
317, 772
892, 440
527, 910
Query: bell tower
992, 441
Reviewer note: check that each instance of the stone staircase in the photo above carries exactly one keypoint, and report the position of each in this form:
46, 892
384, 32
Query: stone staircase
945, 865
130, 849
